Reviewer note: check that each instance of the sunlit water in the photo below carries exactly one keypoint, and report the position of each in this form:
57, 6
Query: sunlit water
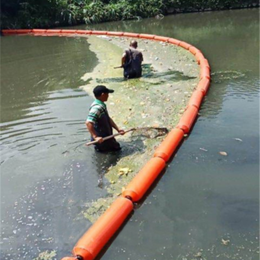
48, 176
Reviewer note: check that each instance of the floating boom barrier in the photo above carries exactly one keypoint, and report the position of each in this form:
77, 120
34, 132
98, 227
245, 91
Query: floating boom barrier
93, 241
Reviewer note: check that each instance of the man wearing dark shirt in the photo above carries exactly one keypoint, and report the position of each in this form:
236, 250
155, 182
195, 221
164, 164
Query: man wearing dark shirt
132, 61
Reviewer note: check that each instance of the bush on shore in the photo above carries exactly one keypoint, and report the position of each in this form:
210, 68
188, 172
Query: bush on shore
51, 13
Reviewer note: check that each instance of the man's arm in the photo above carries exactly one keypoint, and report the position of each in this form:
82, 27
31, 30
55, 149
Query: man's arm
141, 57
91, 129
113, 124
123, 59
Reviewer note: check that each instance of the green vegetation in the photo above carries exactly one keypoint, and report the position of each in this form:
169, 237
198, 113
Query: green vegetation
51, 13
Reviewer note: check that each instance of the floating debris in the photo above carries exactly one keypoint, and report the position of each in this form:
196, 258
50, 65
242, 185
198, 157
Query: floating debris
46, 255
198, 255
225, 242
223, 153
124, 171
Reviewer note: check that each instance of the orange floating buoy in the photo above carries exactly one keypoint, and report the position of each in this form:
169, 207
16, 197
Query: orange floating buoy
8, 32
185, 45
204, 63
196, 99
91, 243
199, 57
193, 50
24, 31
39, 31
69, 31
204, 72
188, 119
115, 33
99, 32
51, 31
144, 179
83, 32
174, 41
203, 85
146, 36
161, 38
134, 35
169, 144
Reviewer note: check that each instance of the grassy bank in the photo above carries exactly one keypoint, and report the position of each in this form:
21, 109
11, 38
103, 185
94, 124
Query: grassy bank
52, 13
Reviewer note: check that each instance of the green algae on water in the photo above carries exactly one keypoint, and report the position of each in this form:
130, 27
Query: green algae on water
157, 99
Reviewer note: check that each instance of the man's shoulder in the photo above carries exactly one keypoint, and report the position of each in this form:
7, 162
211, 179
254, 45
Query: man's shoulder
97, 106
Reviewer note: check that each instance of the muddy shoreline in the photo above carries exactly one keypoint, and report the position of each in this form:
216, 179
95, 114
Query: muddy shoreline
158, 99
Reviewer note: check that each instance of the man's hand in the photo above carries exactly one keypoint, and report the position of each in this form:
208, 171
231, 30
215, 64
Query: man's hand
121, 131
99, 139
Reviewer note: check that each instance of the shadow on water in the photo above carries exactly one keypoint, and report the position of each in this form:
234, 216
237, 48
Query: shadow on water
106, 160
154, 78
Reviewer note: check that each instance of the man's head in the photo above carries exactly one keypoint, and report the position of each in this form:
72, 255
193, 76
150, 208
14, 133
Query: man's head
101, 92
133, 44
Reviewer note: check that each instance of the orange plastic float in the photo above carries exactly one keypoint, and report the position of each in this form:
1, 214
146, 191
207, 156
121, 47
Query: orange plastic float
161, 38
146, 36
169, 144
174, 41
199, 57
204, 71
24, 31
91, 243
99, 33
133, 35
38, 31
83, 32
50, 31
187, 119
69, 31
196, 98
193, 50
204, 63
185, 45
203, 85
144, 179
115, 33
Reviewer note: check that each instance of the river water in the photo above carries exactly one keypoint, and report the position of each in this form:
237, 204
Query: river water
202, 200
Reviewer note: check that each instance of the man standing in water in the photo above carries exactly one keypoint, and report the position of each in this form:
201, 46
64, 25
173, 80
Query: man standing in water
99, 122
132, 61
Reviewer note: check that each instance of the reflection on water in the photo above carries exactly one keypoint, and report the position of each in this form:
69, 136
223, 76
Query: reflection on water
48, 175
43, 175
33, 66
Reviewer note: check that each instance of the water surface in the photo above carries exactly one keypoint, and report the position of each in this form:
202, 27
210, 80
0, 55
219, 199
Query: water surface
47, 176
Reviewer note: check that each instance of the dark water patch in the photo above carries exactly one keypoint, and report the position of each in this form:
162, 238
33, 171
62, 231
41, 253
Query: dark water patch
37, 219
168, 76
25, 80
240, 215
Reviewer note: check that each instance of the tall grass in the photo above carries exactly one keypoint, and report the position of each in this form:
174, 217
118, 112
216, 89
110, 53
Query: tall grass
51, 13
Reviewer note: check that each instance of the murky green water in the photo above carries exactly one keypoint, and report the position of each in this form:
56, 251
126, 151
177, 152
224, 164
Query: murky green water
47, 176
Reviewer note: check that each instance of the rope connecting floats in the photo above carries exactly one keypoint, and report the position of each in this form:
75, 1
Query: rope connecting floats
92, 242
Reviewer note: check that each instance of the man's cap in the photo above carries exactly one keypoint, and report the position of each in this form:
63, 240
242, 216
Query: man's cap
98, 90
